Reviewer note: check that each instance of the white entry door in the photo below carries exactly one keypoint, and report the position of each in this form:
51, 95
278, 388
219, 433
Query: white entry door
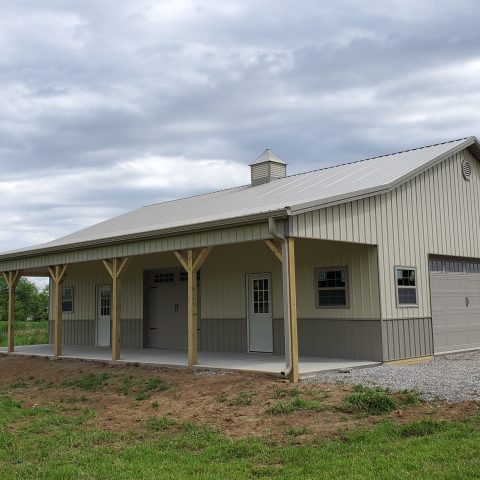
260, 325
104, 318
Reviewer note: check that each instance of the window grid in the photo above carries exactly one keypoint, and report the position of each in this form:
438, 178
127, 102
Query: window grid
406, 284
453, 266
105, 303
439, 265
261, 300
67, 299
331, 287
436, 265
164, 277
472, 267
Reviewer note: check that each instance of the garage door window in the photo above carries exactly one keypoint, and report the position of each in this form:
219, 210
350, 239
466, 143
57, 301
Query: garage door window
406, 284
472, 267
453, 266
436, 265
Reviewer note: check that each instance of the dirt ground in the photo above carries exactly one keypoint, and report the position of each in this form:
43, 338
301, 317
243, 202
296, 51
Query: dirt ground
235, 403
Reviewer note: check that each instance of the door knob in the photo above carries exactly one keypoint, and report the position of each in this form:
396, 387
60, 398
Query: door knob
467, 301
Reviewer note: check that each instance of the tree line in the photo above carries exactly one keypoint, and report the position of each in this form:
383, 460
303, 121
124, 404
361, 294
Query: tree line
31, 302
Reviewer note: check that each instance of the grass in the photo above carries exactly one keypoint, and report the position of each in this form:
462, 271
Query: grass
297, 431
90, 382
295, 405
42, 443
143, 388
293, 400
26, 333
376, 400
369, 401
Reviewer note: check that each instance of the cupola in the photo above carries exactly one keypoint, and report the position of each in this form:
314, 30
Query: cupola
267, 167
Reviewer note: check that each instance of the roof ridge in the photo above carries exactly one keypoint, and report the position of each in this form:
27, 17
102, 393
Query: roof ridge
308, 171
377, 156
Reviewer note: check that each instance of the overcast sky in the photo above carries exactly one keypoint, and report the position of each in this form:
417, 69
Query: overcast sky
110, 105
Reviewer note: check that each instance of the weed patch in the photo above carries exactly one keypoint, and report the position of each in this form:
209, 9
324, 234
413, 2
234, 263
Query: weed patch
369, 401
89, 382
296, 431
18, 385
143, 388
149, 386
157, 424
294, 405
243, 399
279, 393
410, 397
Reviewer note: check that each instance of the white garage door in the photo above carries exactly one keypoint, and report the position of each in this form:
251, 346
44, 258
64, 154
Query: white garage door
455, 293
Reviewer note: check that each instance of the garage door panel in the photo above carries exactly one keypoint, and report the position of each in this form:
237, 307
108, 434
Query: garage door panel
455, 299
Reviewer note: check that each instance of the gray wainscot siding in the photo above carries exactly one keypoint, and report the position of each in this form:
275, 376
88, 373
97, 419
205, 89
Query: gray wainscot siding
407, 338
227, 335
82, 332
334, 338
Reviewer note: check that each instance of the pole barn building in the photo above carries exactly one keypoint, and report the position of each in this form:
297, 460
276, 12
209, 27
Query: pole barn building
369, 261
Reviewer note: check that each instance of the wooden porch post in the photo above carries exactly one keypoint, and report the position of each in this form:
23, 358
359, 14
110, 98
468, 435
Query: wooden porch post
11, 279
57, 273
292, 291
115, 268
291, 288
192, 266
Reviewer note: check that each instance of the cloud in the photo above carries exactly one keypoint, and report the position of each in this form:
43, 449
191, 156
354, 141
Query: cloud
89, 194
109, 105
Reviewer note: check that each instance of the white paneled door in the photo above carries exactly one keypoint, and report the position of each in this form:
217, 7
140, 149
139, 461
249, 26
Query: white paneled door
104, 318
260, 323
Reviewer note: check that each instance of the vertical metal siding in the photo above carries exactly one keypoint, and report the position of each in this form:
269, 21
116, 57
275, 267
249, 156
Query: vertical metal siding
437, 212
82, 332
223, 335
334, 338
361, 262
407, 337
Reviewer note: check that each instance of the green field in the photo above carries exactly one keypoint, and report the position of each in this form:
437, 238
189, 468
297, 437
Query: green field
44, 443
26, 333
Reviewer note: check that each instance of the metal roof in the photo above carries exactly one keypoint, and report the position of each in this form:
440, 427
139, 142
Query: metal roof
283, 196
268, 156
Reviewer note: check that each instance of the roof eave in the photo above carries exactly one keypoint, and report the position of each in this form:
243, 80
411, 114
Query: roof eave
105, 242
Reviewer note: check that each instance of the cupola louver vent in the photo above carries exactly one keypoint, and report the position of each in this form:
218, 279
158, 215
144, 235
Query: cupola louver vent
267, 167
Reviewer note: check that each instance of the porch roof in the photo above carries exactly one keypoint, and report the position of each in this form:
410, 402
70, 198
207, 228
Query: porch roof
280, 197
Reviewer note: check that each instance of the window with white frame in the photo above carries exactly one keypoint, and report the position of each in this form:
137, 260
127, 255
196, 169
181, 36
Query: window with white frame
67, 299
331, 287
406, 284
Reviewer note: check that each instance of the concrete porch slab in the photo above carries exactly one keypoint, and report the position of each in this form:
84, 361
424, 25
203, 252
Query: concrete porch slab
254, 362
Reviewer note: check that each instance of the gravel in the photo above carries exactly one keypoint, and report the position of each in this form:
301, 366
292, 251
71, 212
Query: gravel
452, 378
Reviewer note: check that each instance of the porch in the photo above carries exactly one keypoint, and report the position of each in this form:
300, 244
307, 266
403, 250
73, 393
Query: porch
237, 305
256, 362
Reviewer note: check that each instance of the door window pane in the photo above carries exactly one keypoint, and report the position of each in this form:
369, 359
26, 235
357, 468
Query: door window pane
105, 306
260, 296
